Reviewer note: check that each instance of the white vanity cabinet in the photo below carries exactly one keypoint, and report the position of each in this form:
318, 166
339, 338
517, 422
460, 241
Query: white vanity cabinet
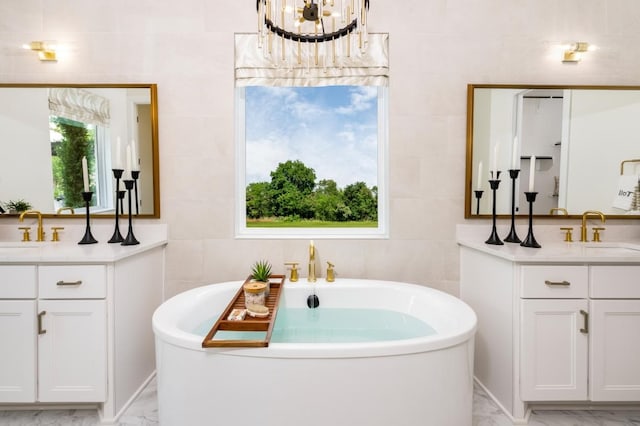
53, 330
553, 330
75, 323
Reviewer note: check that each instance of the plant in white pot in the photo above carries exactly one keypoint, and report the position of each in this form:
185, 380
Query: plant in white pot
261, 271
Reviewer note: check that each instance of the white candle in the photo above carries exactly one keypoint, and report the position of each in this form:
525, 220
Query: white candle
127, 172
85, 174
134, 156
118, 163
479, 176
514, 159
532, 173
494, 160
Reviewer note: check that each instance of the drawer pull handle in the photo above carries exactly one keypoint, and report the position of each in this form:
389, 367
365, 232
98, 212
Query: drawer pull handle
557, 283
40, 329
61, 283
585, 329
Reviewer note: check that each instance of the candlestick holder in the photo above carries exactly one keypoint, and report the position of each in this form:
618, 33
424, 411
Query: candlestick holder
135, 174
478, 193
117, 174
130, 239
117, 236
513, 236
88, 237
530, 241
494, 238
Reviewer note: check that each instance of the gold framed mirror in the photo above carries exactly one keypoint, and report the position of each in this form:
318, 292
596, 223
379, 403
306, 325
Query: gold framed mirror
583, 139
45, 129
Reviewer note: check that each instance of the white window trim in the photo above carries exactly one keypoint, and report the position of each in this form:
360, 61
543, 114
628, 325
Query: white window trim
380, 232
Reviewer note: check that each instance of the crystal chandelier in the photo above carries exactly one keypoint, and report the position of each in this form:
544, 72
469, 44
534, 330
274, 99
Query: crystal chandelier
312, 33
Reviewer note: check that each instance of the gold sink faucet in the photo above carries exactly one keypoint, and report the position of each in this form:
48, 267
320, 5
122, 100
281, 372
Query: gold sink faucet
61, 209
312, 263
583, 228
39, 216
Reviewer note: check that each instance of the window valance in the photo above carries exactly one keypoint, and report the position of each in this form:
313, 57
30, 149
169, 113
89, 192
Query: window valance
79, 105
253, 67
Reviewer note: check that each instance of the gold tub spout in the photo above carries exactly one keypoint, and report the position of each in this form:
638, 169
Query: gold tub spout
559, 210
312, 263
583, 228
39, 216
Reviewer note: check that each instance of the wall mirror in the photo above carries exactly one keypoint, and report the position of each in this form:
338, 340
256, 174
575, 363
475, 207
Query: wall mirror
46, 129
584, 140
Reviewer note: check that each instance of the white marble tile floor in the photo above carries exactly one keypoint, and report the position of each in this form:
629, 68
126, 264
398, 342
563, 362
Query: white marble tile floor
144, 412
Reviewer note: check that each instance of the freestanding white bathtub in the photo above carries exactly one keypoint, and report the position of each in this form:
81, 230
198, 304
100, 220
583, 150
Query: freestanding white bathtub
416, 381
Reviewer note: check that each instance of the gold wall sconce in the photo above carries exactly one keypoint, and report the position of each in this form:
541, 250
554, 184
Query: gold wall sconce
573, 52
46, 50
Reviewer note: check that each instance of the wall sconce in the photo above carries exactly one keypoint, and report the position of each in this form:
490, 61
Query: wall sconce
46, 50
573, 52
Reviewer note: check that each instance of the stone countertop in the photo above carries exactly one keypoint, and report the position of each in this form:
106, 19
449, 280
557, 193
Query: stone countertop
553, 250
69, 251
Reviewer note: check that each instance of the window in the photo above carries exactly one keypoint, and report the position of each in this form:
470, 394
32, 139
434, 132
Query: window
311, 161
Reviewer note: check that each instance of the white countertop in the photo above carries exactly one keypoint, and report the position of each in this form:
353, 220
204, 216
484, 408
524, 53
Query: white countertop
553, 249
69, 251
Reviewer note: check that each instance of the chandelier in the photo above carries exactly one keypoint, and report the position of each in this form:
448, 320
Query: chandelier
313, 33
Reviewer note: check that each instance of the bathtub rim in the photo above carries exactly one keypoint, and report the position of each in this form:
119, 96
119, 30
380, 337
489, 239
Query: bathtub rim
169, 332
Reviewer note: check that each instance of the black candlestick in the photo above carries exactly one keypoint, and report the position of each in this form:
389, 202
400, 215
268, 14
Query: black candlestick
135, 174
88, 238
513, 236
117, 236
130, 240
530, 241
478, 193
493, 238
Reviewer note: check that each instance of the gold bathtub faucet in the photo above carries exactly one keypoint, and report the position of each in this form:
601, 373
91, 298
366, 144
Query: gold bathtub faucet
312, 263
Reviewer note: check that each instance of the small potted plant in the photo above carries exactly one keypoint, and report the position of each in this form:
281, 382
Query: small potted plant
261, 271
17, 206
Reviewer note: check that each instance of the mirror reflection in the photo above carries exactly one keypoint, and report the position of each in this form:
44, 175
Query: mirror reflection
47, 130
574, 145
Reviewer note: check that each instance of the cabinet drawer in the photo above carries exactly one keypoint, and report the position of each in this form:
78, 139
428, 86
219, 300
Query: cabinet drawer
72, 282
615, 282
554, 282
18, 282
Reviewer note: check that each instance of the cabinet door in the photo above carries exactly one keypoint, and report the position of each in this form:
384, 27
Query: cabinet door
615, 345
72, 351
553, 350
18, 353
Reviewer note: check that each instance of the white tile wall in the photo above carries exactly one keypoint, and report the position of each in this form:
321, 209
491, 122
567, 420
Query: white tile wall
436, 49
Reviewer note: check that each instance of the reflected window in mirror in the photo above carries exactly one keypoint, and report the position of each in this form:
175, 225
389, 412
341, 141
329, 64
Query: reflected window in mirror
311, 161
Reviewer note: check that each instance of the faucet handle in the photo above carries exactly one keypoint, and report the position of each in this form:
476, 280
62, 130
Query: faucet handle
331, 276
54, 235
25, 233
567, 236
596, 234
294, 271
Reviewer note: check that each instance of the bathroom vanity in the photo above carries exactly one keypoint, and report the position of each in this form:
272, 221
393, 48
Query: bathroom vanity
75, 321
558, 327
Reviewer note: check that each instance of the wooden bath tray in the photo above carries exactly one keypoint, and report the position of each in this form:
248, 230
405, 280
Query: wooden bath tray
249, 323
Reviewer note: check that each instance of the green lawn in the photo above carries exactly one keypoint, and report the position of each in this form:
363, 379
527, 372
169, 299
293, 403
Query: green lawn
308, 224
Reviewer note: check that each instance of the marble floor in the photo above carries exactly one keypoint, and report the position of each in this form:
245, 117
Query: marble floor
144, 412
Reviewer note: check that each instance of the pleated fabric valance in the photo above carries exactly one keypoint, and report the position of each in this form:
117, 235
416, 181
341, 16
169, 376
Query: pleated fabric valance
254, 67
79, 105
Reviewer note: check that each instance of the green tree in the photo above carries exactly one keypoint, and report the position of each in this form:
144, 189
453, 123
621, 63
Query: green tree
290, 189
361, 201
258, 200
329, 202
77, 142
